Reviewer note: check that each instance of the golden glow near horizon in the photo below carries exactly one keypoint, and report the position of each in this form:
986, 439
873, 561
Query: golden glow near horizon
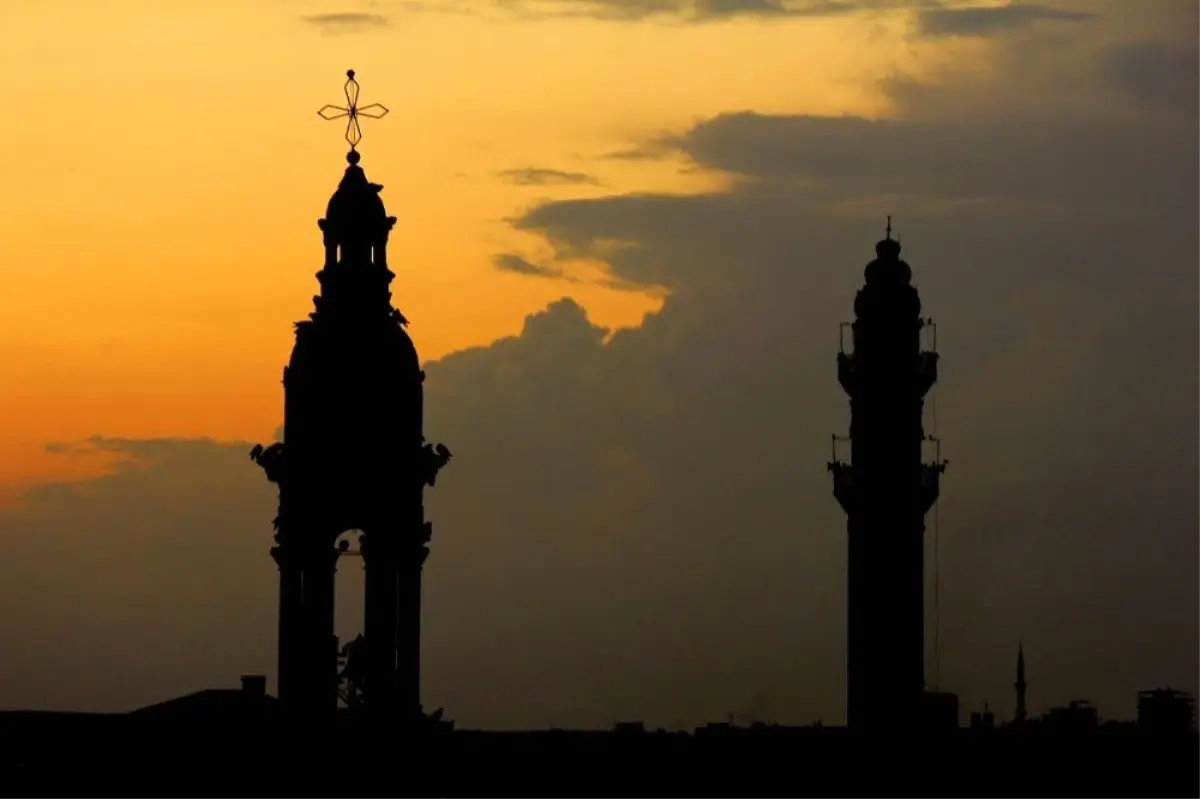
166, 168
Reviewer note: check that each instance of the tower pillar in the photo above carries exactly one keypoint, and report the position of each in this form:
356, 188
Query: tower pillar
408, 634
379, 623
291, 630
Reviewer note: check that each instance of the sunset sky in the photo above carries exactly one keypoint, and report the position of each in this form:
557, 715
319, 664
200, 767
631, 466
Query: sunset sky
627, 232
173, 153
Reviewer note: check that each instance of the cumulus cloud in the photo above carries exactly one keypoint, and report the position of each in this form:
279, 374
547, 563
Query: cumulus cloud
1044, 267
1059, 161
639, 524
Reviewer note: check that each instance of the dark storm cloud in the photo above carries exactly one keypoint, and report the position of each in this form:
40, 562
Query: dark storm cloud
531, 176
149, 582
1156, 73
507, 262
1059, 161
346, 22
639, 524
990, 20
1067, 304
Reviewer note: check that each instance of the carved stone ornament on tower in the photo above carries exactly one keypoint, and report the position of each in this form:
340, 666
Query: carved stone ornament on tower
353, 458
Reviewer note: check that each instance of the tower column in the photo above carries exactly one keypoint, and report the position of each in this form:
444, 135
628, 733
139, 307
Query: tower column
408, 634
290, 625
379, 622
313, 646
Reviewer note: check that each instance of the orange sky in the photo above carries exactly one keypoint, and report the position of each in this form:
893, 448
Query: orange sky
165, 169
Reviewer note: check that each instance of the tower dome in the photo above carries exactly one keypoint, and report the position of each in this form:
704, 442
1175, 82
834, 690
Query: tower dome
356, 225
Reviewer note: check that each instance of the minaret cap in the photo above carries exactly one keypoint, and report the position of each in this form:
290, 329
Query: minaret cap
888, 249
887, 269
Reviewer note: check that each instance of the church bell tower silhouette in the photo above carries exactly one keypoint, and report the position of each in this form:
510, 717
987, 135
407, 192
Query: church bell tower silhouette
353, 457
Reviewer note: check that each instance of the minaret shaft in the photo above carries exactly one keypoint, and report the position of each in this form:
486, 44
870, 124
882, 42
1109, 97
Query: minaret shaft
886, 489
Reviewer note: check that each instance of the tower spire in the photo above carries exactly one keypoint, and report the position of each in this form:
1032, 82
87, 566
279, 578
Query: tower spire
355, 226
888, 232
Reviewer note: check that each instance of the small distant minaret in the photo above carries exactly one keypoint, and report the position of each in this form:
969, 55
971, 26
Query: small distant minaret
1020, 685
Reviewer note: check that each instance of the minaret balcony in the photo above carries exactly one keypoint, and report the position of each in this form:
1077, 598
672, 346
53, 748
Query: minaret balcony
927, 371
931, 479
847, 372
843, 484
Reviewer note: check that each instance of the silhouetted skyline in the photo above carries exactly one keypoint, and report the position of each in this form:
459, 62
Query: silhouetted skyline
623, 503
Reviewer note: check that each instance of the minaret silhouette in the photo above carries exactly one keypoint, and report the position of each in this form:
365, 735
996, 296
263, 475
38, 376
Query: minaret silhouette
1020, 685
885, 491
353, 457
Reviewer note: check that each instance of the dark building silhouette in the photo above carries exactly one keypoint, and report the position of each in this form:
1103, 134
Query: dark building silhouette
1020, 685
939, 712
1078, 716
252, 701
1165, 711
885, 490
353, 457
983, 720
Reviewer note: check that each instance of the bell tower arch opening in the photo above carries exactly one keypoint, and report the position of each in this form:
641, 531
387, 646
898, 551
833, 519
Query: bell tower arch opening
349, 593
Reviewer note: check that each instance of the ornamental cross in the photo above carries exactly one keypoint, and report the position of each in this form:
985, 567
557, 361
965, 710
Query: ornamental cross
352, 111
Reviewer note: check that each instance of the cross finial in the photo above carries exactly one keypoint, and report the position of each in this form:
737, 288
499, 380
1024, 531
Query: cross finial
889, 227
352, 112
